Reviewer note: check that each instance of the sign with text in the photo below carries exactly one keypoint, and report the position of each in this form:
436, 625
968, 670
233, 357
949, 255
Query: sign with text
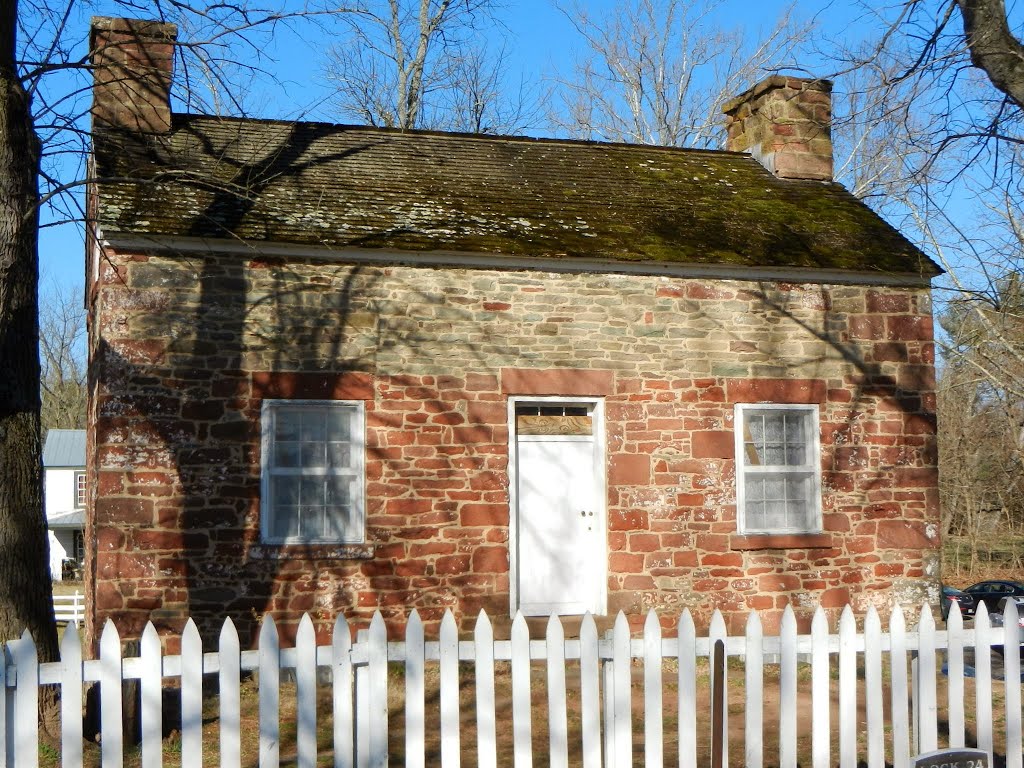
953, 758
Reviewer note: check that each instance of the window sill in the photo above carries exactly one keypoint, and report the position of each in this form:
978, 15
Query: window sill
272, 552
781, 541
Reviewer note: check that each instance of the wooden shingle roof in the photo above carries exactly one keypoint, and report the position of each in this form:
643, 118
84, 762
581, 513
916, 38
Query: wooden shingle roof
343, 186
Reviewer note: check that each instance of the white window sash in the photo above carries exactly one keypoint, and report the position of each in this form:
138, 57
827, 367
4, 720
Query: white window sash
354, 473
810, 469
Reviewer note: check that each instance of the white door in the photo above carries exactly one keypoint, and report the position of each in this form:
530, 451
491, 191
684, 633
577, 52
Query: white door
560, 531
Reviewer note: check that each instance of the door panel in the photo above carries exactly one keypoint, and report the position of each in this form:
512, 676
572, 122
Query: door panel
561, 539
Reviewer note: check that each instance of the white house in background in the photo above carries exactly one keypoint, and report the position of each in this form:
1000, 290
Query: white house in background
64, 496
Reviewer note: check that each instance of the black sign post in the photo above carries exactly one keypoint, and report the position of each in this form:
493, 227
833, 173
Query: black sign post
953, 758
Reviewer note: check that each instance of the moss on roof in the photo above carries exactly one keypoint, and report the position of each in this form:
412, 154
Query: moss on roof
343, 186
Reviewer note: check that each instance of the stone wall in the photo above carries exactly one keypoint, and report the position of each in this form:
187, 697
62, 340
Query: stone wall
185, 348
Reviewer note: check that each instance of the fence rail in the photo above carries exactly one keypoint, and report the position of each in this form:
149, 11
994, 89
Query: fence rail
69, 608
618, 681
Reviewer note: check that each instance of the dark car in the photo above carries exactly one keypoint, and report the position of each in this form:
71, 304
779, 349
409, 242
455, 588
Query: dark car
991, 592
952, 595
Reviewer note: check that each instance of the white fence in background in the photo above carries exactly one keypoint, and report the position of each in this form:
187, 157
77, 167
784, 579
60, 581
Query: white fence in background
620, 683
69, 608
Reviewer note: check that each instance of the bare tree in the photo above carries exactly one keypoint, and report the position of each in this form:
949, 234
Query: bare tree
659, 71
45, 80
425, 64
62, 359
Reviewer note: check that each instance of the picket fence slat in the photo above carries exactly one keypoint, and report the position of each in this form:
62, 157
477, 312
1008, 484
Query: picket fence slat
151, 698
305, 693
590, 714
269, 694
342, 692
1011, 673
873, 691
955, 676
983, 680
415, 693
486, 726
229, 677
900, 691
70, 698
847, 689
754, 685
112, 741
449, 663
909, 661
687, 689
787, 689
192, 692
820, 694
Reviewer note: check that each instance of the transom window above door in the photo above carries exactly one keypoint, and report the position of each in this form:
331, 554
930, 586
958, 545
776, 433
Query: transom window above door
553, 419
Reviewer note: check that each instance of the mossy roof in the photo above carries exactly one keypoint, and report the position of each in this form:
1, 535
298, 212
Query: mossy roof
343, 186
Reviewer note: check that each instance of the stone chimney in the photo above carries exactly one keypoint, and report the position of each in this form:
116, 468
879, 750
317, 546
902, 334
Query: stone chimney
132, 65
786, 123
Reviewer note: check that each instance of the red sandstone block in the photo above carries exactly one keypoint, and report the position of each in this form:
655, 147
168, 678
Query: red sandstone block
627, 520
490, 560
684, 559
734, 559
670, 292
644, 542
901, 534
450, 419
889, 569
480, 382
888, 303
713, 542
556, 381
835, 598
775, 390
909, 327
778, 583
713, 445
629, 469
125, 511
452, 564
916, 477
484, 514
319, 386
871, 327
625, 562
407, 506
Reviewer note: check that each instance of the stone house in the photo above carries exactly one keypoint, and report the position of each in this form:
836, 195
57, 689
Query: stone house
343, 368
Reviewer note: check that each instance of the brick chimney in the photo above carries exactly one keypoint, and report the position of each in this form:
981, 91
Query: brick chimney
786, 123
132, 66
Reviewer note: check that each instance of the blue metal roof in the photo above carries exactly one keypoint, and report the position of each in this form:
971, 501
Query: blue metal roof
64, 448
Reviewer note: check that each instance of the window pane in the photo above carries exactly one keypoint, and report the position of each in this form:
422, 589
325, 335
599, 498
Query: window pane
286, 425
339, 424
796, 455
314, 427
774, 454
312, 491
314, 455
285, 524
287, 455
774, 427
286, 491
339, 455
755, 516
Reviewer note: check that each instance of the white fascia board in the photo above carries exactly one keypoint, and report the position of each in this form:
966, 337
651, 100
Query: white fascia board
194, 245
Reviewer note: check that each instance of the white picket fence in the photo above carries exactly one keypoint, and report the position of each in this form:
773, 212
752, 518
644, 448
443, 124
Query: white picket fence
69, 608
619, 680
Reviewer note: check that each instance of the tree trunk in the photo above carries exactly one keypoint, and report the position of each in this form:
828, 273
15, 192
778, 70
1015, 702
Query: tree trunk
993, 47
26, 593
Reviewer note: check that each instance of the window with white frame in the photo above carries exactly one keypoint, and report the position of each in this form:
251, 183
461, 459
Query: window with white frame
80, 489
312, 481
778, 469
